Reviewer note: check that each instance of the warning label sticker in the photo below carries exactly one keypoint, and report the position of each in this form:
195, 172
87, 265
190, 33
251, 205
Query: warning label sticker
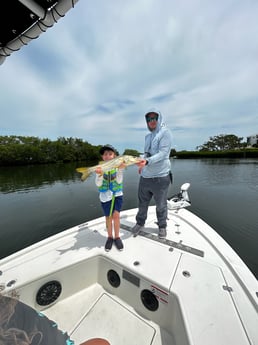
161, 295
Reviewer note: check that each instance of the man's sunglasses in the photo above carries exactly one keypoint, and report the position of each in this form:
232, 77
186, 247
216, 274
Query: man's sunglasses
150, 119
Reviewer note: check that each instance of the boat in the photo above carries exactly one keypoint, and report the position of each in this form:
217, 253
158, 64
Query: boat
190, 288
22, 21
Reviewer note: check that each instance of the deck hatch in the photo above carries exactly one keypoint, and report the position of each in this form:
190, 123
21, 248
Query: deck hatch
107, 314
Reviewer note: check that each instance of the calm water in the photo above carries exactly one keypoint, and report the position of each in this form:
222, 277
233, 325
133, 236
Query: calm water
38, 201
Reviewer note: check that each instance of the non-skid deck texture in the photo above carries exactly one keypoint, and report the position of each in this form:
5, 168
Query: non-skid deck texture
166, 241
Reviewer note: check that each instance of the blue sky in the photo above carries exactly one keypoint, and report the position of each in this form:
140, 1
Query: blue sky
96, 72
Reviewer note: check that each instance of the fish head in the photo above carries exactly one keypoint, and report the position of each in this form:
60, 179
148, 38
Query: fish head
129, 160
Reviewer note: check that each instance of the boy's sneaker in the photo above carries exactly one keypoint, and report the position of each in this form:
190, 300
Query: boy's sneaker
162, 232
136, 229
119, 243
108, 244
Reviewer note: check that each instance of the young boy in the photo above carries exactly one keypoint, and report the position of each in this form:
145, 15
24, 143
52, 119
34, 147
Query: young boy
110, 184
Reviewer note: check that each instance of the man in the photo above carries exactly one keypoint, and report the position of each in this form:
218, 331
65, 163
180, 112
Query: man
155, 170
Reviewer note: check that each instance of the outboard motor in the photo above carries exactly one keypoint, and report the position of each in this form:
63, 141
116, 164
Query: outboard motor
181, 199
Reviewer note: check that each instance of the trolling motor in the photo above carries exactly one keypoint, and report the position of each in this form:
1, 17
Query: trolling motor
181, 199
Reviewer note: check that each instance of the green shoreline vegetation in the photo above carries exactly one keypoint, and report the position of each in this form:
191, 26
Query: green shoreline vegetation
21, 150
237, 153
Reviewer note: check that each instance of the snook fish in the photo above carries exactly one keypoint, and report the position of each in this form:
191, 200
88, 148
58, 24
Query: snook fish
108, 165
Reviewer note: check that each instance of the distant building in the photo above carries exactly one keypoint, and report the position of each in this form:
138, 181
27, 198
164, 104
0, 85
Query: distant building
252, 140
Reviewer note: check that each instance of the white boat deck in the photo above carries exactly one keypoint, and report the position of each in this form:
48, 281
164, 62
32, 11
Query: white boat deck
203, 295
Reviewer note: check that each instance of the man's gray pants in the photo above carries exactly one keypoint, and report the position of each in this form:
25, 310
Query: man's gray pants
156, 187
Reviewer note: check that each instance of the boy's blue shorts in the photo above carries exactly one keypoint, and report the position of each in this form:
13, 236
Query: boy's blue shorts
117, 205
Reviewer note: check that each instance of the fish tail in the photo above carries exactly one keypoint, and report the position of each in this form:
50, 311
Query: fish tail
85, 173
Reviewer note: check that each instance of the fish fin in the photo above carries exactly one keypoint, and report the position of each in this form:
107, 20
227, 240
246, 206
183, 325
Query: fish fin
81, 170
85, 173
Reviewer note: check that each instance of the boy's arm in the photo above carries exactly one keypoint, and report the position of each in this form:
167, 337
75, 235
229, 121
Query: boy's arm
99, 176
98, 180
119, 175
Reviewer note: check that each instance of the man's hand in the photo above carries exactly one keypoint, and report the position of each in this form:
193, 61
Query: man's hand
141, 164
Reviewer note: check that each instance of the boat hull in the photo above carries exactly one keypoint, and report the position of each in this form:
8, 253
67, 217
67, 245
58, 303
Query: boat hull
190, 288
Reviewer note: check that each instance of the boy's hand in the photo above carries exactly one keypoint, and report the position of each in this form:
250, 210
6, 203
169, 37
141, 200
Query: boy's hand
98, 171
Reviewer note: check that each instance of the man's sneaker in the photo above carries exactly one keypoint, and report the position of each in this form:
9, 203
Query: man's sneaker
162, 233
119, 243
108, 244
136, 229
